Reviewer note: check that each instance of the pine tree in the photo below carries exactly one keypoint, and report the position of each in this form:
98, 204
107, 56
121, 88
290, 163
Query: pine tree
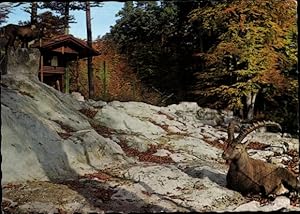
89, 42
6, 8
32, 9
64, 9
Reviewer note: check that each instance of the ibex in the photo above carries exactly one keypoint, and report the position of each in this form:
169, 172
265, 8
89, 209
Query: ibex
246, 174
24, 33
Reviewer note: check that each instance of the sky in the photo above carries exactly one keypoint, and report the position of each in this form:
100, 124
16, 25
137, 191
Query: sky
102, 18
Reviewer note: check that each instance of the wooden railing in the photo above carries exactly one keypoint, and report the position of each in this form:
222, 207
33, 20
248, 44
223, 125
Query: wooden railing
53, 69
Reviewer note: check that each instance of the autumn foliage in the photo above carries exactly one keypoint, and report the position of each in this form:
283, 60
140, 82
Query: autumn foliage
239, 55
251, 62
113, 78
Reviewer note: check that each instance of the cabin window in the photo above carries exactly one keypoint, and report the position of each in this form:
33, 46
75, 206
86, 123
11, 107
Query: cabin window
54, 61
47, 60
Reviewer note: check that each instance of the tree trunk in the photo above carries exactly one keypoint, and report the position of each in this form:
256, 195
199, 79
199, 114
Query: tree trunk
89, 42
33, 16
77, 74
201, 43
241, 113
202, 65
104, 79
67, 13
250, 101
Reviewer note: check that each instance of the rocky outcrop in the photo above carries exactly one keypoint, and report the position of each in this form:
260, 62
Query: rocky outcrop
61, 154
214, 117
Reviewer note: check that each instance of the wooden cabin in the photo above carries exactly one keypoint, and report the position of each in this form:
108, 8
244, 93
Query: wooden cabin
56, 54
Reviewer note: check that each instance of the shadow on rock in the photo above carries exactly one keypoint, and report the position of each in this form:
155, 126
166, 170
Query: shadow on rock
104, 197
166, 198
205, 171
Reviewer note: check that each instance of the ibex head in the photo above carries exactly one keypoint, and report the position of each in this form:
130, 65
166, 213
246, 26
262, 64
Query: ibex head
234, 151
234, 147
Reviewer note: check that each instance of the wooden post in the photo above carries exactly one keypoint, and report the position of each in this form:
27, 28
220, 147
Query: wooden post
58, 85
77, 74
62, 83
67, 79
90, 57
104, 79
134, 89
41, 69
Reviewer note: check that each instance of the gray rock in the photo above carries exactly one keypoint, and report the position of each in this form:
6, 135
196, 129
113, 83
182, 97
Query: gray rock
99, 104
278, 160
173, 184
214, 117
162, 153
78, 96
119, 120
195, 147
280, 203
260, 154
23, 61
44, 137
38, 207
140, 143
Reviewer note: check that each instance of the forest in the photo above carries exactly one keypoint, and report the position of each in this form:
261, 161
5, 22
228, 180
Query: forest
238, 55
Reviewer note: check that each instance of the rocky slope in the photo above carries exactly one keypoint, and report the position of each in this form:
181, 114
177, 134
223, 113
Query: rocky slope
64, 155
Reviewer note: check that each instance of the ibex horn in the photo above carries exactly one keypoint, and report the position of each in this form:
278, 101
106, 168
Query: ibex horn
254, 126
230, 130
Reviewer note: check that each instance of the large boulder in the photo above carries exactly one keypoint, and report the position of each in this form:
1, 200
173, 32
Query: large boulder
115, 156
44, 136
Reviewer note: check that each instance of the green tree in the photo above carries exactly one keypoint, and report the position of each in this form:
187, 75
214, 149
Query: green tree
5, 9
252, 51
135, 35
52, 24
90, 58
155, 42
32, 9
64, 8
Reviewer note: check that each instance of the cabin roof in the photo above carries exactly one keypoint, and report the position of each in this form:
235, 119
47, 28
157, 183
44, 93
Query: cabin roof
68, 40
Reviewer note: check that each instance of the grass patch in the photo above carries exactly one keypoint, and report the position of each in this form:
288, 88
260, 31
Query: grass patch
65, 127
90, 113
257, 146
102, 130
179, 133
145, 156
168, 116
95, 191
294, 162
164, 127
64, 135
26, 94
99, 175
214, 143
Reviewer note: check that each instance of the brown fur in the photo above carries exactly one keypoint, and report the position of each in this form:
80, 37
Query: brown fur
246, 174
24, 33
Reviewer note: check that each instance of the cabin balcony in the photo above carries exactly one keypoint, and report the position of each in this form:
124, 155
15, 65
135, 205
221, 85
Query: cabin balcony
53, 69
